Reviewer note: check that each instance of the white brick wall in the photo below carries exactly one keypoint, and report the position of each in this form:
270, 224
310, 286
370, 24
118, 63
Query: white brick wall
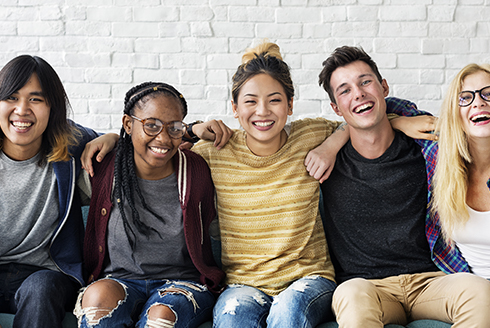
101, 48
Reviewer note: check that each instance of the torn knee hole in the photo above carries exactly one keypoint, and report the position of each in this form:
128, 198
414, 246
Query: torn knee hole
94, 314
160, 311
178, 290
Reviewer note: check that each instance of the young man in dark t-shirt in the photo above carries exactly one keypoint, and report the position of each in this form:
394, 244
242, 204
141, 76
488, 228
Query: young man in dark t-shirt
376, 215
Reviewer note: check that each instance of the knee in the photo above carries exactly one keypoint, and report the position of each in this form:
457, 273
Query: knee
355, 290
161, 316
354, 287
40, 284
473, 288
100, 299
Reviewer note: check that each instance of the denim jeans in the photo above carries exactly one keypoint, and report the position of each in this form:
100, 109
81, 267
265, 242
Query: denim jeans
38, 297
305, 303
191, 303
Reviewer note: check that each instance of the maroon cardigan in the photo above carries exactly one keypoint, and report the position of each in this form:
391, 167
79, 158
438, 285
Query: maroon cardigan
196, 195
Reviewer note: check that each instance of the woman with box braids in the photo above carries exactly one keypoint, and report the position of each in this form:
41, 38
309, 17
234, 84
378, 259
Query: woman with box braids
142, 195
124, 173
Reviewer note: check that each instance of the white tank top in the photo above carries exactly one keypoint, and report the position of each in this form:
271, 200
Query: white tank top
474, 242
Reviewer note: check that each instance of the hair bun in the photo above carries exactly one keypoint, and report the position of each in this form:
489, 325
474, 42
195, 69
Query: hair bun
266, 49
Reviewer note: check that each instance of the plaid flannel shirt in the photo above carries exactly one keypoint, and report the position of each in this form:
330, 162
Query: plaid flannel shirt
448, 259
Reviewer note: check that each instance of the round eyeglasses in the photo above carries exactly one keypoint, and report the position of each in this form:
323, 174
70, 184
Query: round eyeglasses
153, 126
466, 98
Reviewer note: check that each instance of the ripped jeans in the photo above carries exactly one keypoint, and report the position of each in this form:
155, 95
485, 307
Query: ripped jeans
305, 303
191, 303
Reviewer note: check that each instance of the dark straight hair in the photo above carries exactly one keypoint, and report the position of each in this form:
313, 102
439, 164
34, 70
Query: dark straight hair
59, 133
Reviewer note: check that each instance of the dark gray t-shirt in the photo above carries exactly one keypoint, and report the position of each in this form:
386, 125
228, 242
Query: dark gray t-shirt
154, 257
29, 211
375, 212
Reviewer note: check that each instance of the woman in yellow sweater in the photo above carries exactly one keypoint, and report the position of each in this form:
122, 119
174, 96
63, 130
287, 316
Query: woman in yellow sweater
274, 251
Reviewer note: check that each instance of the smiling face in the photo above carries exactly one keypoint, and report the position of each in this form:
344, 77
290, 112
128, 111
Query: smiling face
153, 154
262, 108
475, 118
24, 116
359, 95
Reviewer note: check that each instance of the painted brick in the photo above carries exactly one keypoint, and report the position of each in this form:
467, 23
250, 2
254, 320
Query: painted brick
288, 15
105, 44
393, 45
192, 77
73, 43
403, 13
431, 76
432, 46
177, 29
108, 14
135, 29
406, 29
224, 29
334, 14
201, 29
157, 45
8, 28
441, 13
196, 13
355, 29
251, 14
40, 28
88, 28
317, 31
218, 77
188, 60
142, 75
449, 30
421, 61
156, 14
362, 13
217, 93
19, 44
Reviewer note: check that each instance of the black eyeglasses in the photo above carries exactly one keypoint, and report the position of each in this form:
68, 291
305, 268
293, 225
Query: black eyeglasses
466, 98
153, 126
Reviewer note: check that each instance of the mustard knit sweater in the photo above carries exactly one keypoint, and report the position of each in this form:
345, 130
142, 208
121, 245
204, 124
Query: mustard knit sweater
270, 226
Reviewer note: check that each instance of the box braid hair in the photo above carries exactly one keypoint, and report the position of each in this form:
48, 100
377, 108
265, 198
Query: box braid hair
125, 179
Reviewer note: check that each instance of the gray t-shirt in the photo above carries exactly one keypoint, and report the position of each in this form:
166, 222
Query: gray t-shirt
29, 211
163, 256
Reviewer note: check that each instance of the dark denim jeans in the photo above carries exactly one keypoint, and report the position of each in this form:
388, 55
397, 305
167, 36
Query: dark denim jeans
39, 298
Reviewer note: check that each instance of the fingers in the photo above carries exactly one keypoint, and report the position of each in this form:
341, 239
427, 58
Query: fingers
222, 134
326, 174
185, 145
86, 159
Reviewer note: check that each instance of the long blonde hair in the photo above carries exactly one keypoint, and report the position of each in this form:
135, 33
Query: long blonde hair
451, 174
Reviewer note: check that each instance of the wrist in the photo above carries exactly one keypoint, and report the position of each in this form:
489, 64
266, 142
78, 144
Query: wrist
192, 136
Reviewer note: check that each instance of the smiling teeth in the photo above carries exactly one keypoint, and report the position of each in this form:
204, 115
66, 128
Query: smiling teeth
480, 117
159, 150
263, 123
363, 107
21, 125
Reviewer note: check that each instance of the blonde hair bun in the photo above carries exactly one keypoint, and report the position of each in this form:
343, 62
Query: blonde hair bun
266, 48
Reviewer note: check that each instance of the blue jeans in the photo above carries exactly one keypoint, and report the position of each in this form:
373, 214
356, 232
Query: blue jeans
305, 303
191, 303
38, 297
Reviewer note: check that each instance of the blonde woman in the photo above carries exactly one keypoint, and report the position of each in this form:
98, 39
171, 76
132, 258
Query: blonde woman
461, 193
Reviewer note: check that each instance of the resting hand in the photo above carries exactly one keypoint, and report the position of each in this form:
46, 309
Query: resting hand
213, 130
417, 127
320, 162
103, 144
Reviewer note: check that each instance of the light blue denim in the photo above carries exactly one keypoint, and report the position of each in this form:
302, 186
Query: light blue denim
304, 304
191, 309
